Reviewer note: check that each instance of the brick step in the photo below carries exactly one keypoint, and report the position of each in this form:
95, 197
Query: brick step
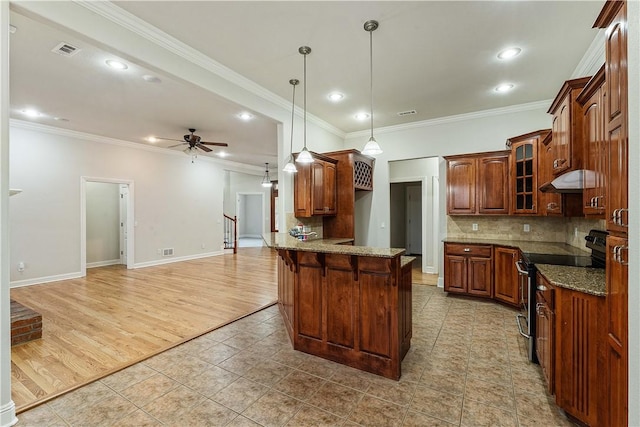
26, 324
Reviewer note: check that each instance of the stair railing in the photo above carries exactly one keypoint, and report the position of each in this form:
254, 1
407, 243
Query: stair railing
231, 233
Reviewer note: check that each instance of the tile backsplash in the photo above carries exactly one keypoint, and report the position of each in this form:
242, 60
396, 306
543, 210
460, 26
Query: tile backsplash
544, 229
314, 223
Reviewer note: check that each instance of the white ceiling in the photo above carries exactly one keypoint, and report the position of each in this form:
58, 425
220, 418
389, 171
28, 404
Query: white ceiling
438, 58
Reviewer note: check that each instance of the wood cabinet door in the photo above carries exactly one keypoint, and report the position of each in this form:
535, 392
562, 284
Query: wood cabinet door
309, 300
461, 187
550, 203
561, 137
455, 274
616, 346
524, 176
479, 276
545, 337
302, 191
506, 280
330, 194
493, 185
577, 329
595, 150
317, 187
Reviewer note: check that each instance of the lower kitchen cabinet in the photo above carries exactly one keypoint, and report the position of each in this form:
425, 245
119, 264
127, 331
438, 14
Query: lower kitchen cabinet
468, 269
506, 279
546, 330
579, 321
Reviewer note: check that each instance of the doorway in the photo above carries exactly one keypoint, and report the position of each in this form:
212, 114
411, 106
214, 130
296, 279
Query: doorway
250, 210
106, 231
406, 216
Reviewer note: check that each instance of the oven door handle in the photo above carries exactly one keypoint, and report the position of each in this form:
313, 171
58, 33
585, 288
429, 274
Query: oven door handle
522, 270
519, 317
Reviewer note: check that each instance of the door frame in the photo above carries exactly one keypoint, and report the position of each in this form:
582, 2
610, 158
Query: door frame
430, 205
83, 219
263, 218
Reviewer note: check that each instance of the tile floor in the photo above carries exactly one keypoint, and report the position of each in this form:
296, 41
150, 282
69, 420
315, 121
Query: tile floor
466, 367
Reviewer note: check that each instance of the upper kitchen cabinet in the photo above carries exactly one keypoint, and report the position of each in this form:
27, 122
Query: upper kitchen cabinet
478, 184
613, 18
355, 173
524, 171
315, 187
596, 155
567, 146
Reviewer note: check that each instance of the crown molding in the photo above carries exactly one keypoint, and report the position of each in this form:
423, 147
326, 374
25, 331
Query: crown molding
52, 130
154, 35
537, 105
593, 58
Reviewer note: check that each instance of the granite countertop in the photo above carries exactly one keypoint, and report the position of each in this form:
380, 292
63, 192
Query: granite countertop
552, 248
328, 246
582, 279
404, 260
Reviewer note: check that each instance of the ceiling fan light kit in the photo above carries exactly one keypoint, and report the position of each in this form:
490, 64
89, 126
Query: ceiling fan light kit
372, 147
304, 156
266, 179
290, 167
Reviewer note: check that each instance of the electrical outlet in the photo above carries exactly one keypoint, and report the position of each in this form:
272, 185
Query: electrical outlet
474, 227
575, 232
21, 266
203, 246
527, 228
383, 225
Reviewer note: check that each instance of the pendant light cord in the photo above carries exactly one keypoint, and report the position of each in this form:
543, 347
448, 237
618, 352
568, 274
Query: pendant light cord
305, 99
293, 82
371, 74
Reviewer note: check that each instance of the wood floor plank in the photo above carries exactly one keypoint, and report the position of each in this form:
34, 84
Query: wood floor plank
114, 317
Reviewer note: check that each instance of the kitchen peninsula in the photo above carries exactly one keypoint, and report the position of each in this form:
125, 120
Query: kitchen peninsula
349, 304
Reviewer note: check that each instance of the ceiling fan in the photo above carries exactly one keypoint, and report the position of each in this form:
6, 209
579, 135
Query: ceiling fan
194, 142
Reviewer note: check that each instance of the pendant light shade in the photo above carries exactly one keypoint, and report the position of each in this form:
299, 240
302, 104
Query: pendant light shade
266, 180
290, 167
372, 147
305, 156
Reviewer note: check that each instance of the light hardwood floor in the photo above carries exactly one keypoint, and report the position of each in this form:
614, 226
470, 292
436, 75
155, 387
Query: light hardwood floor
115, 317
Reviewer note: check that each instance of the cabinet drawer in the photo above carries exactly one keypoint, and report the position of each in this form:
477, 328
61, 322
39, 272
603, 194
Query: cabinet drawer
470, 250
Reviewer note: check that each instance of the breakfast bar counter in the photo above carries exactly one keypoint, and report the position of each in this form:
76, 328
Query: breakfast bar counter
349, 304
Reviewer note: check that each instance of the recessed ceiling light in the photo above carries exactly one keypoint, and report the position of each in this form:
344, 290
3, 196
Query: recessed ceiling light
151, 139
506, 87
30, 112
151, 79
60, 119
362, 116
336, 96
509, 53
116, 64
222, 154
245, 116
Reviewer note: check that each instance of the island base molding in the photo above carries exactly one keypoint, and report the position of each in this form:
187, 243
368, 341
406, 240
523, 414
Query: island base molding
351, 309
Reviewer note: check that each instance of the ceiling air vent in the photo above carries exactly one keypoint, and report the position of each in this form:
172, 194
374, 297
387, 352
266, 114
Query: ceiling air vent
407, 113
65, 49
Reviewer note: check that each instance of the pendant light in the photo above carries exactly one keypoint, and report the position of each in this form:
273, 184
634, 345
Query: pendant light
305, 156
266, 180
372, 147
290, 167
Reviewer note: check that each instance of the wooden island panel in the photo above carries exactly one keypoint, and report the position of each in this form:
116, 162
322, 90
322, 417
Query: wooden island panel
351, 309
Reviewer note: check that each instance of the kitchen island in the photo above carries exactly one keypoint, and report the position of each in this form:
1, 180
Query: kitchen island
349, 304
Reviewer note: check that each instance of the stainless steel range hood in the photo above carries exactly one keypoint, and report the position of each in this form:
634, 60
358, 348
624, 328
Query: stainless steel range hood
570, 182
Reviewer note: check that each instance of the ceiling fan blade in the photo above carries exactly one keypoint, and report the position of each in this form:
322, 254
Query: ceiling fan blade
203, 148
217, 144
177, 145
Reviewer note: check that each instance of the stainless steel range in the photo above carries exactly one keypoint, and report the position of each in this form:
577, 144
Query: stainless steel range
596, 241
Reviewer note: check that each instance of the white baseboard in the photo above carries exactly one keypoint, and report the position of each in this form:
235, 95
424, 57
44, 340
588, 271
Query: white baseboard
47, 279
170, 260
8, 414
441, 282
250, 236
103, 263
